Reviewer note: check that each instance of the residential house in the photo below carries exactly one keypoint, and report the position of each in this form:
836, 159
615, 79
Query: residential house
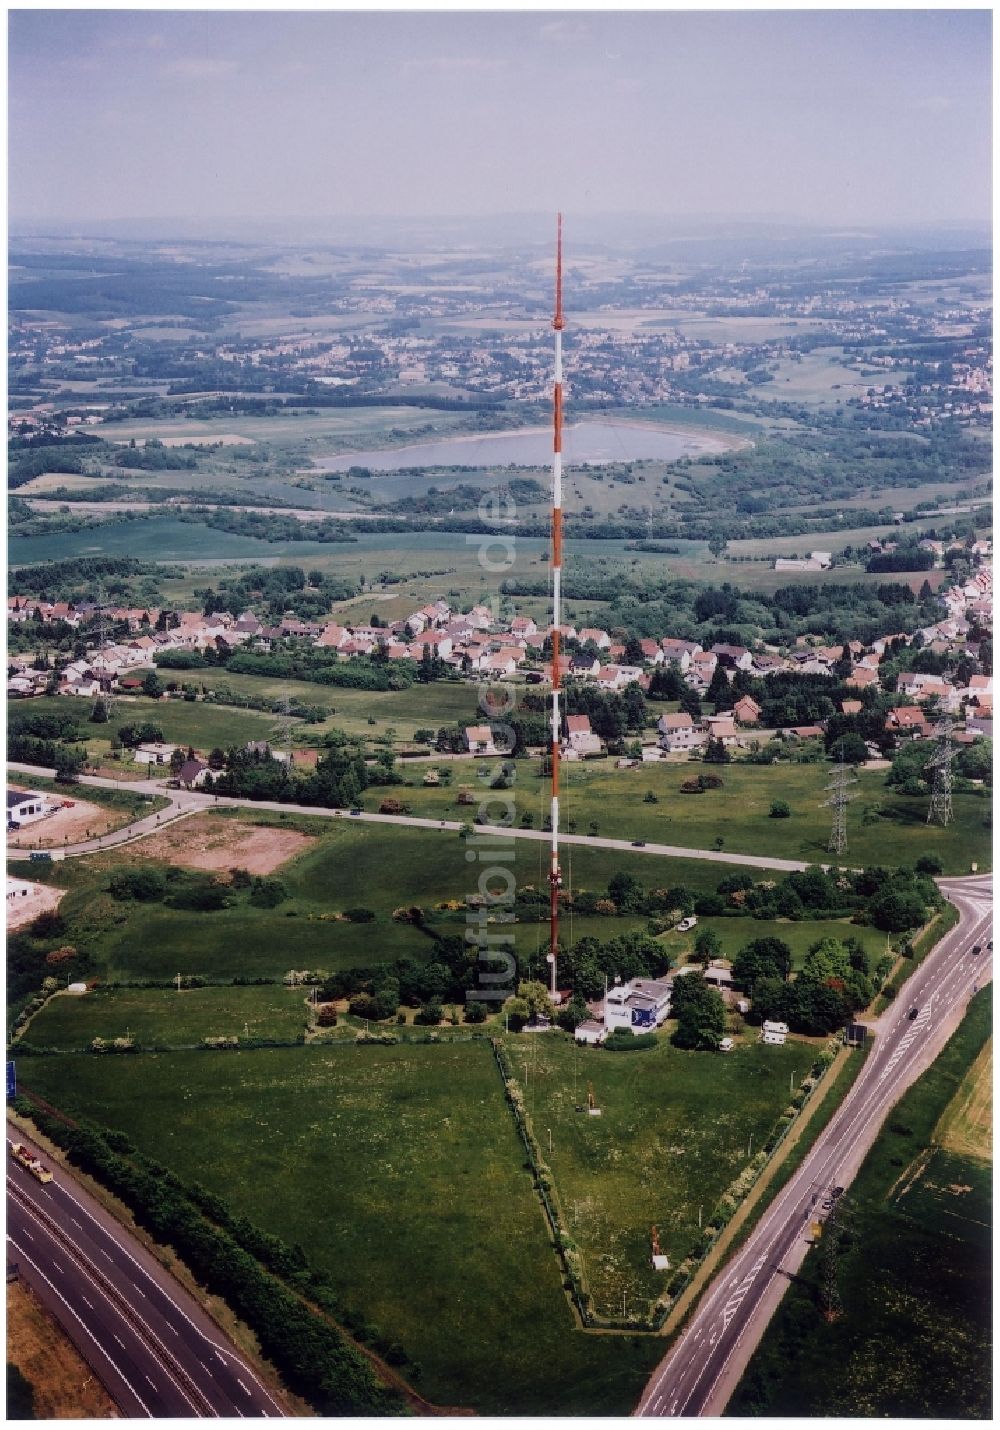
584, 667
862, 677
732, 657
907, 720
679, 732
436, 642
616, 677
682, 652
747, 711
333, 636
580, 738
590, 634
154, 753
722, 727
479, 740
500, 665
193, 774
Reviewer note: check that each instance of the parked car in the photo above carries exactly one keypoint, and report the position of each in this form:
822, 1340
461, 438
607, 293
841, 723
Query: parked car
686, 924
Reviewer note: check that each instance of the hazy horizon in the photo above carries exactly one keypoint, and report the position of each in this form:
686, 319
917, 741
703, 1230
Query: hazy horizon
833, 119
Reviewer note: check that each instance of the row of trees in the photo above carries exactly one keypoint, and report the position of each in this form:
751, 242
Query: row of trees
310, 1354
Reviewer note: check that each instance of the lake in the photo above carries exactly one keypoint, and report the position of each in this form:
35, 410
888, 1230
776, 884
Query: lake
582, 442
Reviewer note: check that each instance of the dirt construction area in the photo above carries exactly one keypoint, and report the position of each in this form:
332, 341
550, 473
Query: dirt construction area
25, 901
70, 821
206, 842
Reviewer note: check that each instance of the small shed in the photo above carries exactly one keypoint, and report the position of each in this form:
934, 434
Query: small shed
590, 1032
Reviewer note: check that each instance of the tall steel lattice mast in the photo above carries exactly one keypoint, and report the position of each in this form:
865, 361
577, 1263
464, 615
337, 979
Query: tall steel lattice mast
555, 873
839, 795
940, 811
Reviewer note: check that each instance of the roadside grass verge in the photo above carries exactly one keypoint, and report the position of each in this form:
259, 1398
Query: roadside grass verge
944, 920
913, 1274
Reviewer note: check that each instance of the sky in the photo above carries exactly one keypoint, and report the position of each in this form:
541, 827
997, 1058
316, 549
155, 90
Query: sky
831, 117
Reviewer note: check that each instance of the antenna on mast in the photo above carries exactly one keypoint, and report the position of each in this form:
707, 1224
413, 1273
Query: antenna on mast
555, 873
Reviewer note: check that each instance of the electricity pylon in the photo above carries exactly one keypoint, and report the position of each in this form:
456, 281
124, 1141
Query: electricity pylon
838, 797
940, 811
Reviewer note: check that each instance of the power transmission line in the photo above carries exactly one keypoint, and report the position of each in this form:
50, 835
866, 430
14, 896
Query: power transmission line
839, 795
940, 810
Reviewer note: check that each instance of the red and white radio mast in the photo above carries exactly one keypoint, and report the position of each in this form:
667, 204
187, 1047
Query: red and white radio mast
555, 873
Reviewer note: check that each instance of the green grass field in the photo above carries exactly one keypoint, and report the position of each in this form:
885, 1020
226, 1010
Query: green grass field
400, 1172
675, 1131
914, 1278
162, 1017
405, 711
182, 722
738, 813
735, 934
349, 865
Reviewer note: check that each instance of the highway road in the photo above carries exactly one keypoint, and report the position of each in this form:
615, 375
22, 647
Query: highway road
147, 1340
185, 802
700, 1372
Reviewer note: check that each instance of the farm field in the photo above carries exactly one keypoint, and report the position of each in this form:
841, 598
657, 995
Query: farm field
348, 866
327, 425
400, 1171
167, 1017
821, 377
674, 1132
914, 1277
966, 1125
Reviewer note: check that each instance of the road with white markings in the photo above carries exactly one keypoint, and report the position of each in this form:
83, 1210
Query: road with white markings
155, 1350
701, 1371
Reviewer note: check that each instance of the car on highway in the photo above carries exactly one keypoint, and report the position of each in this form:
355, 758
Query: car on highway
977, 948
912, 1013
638, 843
355, 812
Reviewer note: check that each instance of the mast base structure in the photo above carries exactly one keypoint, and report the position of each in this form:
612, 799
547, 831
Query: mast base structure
555, 872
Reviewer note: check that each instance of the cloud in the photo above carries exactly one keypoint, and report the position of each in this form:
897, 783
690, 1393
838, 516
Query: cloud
197, 67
